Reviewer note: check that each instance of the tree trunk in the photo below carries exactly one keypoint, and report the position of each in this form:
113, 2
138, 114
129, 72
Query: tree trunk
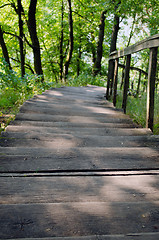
4, 49
93, 49
69, 55
21, 35
112, 48
97, 65
130, 36
34, 38
61, 43
79, 59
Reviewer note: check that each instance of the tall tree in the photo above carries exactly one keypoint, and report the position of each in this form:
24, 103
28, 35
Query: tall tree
4, 48
21, 38
61, 41
69, 55
79, 55
113, 45
34, 38
97, 64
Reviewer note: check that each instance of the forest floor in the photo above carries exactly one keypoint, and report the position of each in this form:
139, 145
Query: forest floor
74, 167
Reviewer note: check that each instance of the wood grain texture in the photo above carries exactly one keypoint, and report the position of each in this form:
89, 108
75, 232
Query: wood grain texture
73, 167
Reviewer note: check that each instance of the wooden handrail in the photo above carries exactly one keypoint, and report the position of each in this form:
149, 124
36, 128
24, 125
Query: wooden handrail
151, 43
144, 44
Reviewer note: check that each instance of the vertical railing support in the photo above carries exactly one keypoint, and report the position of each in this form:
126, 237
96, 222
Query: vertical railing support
115, 81
110, 78
138, 85
126, 82
151, 87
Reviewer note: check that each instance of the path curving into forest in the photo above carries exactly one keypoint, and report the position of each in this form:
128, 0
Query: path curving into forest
74, 167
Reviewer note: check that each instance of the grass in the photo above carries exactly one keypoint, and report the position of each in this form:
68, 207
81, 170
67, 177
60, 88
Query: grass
136, 109
87, 78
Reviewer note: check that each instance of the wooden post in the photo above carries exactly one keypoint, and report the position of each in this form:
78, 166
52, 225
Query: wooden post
110, 78
126, 82
139, 81
151, 87
115, 81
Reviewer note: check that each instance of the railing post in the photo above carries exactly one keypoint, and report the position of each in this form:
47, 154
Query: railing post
151, 87
126, 82
110, 78
138, 85
115, 81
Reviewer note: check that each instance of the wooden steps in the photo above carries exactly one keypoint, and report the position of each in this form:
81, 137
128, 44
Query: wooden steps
74, 167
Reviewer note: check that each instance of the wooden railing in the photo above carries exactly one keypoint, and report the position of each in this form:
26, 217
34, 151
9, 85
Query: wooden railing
151, 43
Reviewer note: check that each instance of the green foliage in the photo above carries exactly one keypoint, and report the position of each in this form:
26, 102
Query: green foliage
86, 19
84, 79
136, 109
14, 90
9, 98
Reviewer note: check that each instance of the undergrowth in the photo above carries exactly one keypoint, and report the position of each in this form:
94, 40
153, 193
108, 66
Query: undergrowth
86, 78
14, 90
136, 109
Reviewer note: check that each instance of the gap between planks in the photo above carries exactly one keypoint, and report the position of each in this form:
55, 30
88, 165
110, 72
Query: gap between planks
81, 173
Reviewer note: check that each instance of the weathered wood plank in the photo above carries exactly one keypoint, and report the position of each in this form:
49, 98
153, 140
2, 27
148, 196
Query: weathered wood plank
146, 43
115, 118
50, 140
138, 236
102, 131
66, 102
69, 110
24, 190
126, 124
77, 219
47, 159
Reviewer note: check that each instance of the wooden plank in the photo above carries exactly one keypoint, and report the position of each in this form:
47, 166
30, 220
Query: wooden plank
127, 124
67, 102
72, 110
146, 43
114, 118
50, 140
138, 236
151, 87
76, 159
102, 131
77, 219
60, 189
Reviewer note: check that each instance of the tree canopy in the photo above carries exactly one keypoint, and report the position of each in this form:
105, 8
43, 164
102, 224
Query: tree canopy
57, 39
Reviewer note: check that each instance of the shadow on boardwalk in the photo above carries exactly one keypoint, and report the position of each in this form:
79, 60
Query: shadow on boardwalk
74, 166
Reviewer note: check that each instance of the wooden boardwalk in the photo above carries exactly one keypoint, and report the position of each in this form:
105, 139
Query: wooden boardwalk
73, 167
